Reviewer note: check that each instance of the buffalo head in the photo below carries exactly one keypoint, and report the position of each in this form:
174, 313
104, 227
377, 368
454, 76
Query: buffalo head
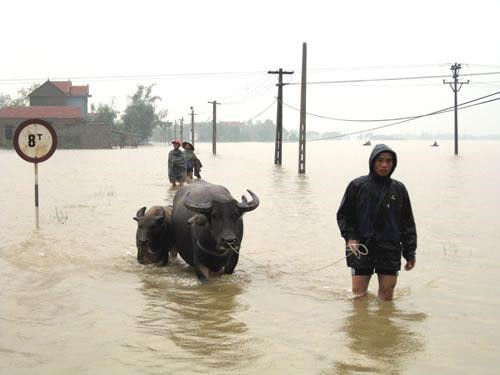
150, 236
222, 221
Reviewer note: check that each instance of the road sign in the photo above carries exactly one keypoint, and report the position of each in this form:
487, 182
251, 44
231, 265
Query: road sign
35, 140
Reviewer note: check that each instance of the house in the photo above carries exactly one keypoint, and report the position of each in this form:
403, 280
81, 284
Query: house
61, 93
65, 107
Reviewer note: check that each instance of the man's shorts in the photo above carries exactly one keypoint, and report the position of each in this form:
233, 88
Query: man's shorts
369, 272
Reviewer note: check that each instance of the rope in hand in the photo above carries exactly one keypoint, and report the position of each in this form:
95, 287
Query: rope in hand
357, 250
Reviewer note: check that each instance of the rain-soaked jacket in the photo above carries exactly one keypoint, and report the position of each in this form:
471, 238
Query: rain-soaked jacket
377, 212
176, 166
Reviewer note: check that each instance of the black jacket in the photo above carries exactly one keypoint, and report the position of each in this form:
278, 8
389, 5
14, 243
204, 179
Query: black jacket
377, 212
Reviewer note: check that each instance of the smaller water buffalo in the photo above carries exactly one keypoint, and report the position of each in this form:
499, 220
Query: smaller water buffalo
208, 226
154, 237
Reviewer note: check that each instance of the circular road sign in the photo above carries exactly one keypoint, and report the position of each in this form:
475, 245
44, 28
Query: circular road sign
35, 140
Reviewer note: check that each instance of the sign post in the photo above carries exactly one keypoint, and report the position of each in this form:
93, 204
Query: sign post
35, 141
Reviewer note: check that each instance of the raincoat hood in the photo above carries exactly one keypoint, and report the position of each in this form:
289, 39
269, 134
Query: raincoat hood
377, 150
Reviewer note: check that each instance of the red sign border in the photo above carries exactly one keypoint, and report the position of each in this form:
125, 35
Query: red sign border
31, 122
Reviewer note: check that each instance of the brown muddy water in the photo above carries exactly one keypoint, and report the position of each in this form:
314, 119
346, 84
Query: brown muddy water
73, 299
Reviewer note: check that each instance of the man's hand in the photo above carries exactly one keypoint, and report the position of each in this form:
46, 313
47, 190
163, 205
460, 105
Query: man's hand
410, 263
352, 244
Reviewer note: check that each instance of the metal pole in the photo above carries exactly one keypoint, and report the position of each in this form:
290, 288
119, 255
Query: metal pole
36, 198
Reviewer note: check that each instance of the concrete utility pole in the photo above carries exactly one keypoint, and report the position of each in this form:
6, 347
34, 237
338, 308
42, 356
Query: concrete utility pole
279, 116
175, 129
302, 132
214, 131
192, 125
456, 86
182, 129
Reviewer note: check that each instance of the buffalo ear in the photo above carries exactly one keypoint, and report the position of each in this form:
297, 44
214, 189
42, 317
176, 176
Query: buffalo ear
136, 219
198, 219
141, 212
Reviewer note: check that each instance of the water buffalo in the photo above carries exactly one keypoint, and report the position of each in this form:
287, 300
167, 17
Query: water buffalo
154, 237
208, 227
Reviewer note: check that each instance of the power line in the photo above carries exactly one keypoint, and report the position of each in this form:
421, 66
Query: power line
390, 79
136, 76
261, 112
258, 92
400, 122
388, 119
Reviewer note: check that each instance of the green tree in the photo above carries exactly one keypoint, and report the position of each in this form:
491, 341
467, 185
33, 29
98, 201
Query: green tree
105, 114
22, 98
5, 100
140, 116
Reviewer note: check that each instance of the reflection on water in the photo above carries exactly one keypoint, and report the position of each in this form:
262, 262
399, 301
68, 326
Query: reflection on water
198, 319
75, 301
379, 337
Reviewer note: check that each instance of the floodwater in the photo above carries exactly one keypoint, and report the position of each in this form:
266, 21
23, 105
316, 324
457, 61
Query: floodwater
73, 299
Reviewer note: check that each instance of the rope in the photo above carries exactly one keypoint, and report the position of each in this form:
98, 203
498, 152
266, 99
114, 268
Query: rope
357, 250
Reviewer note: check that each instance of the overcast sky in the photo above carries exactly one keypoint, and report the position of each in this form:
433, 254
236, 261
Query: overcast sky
113, 46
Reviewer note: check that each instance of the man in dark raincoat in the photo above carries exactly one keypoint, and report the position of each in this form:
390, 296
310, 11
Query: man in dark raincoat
176, 165
376, 212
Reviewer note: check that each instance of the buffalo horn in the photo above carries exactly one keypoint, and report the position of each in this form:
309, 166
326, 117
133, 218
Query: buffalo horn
202, 208
161, 215
140, 213
245, 206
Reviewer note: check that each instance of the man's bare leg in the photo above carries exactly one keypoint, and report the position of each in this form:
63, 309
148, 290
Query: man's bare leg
360, 285
386, 285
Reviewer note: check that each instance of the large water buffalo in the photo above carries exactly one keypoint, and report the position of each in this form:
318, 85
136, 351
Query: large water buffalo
208, 227
154, 236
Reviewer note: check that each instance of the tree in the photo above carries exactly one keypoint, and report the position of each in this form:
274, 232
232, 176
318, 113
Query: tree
22, 98
140, 116
105, 114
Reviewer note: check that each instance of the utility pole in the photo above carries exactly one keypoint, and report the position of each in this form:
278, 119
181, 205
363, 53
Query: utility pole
456, 86
279, 116
182, 129
192, 125
214, 131
169, 134
302, 131
175, 129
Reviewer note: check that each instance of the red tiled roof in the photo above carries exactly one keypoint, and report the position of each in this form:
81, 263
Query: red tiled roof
64, 86
79, 91
68, 88
40, 112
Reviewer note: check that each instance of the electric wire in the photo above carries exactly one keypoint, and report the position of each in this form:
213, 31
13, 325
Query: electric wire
400, 122
386, 119
390, 79
261, 112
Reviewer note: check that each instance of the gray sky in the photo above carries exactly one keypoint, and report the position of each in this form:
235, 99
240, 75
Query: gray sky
166, 42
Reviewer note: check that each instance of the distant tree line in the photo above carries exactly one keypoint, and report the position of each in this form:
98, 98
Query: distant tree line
143, 118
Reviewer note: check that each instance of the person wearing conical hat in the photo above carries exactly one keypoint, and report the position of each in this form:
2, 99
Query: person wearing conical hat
192, 162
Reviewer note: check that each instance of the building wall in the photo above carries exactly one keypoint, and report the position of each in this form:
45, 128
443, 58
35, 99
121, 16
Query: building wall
47, 94
77, 101
47, 100
84, 135
71, 133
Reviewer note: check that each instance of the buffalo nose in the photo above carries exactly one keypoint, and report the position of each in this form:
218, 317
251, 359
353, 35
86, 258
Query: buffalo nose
229, 241
143, 242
